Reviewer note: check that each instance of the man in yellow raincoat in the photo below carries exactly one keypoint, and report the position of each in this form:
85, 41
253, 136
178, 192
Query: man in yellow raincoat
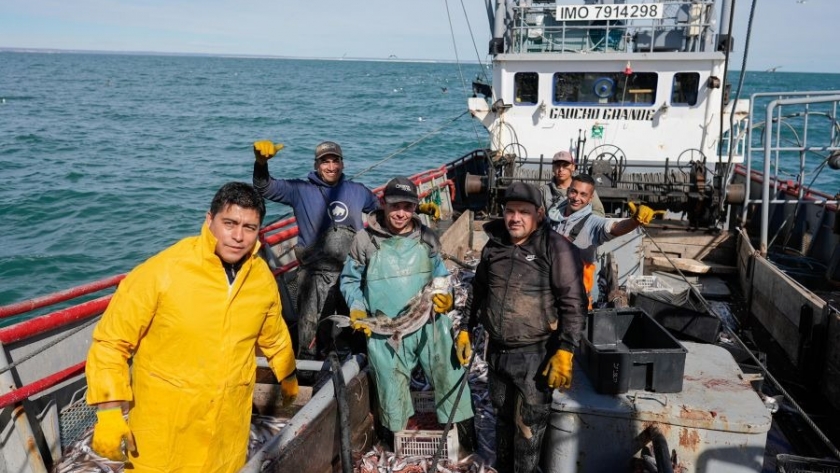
190, 318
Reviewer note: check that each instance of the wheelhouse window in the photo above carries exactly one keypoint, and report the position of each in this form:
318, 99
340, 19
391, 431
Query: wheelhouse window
685, 88
525, 88
600, 88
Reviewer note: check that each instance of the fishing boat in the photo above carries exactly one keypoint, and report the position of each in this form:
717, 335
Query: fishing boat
639, 92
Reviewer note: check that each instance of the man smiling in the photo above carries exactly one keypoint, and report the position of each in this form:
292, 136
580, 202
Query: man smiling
329, 210
190, 319
390, 261
575, 219
563, 168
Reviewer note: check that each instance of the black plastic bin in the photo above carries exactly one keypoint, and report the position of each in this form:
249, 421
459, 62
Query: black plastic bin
683, 321
626, 349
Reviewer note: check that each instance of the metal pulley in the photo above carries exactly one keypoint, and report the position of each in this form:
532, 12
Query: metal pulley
833, 160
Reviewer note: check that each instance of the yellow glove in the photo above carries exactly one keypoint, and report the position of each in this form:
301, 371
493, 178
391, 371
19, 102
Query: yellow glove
357, 314
431, 209
265, 150
559, 370
463, 347
442, 302
110, 431
289, 388
643, 214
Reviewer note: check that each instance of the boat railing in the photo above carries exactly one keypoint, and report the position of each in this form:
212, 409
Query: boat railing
793, 137
673, 26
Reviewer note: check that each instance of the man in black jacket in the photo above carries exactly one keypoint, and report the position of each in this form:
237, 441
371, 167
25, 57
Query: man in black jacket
528, 292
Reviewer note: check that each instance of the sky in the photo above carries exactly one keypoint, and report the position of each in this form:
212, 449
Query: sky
794, 35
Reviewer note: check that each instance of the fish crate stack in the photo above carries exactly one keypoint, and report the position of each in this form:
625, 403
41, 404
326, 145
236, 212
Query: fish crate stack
424, 441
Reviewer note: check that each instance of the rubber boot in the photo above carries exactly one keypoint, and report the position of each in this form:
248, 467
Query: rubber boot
467, 438
504, 446
386, 437
527, 441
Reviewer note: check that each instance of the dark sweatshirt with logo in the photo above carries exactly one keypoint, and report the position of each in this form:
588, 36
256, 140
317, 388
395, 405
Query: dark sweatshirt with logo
529, 293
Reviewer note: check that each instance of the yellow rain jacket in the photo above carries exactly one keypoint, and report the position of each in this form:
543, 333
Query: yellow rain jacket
193, 338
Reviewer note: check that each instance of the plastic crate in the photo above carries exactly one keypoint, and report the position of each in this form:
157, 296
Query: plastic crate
793, 464
424, 401
671, 291
425, 443
626, 349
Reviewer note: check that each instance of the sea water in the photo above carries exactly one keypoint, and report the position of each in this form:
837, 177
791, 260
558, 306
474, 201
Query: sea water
106, 159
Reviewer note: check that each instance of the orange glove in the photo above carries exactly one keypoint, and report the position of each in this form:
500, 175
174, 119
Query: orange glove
356, 315
289, 388
463, 347
110, 431
559, 370
265, 150
442, 302
643, 214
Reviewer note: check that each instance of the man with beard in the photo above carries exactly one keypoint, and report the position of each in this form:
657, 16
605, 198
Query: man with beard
529, 296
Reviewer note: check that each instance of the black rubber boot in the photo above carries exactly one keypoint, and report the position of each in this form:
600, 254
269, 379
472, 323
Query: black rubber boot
528, 444
467, 438
504, 446
386, 437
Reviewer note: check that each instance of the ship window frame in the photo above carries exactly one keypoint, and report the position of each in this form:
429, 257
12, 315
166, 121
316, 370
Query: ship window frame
648, 85
532, 81
696, 91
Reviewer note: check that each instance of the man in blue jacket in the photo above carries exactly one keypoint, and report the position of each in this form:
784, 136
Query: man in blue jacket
329, 211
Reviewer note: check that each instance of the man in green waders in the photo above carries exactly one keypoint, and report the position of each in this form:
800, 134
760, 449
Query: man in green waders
389, 262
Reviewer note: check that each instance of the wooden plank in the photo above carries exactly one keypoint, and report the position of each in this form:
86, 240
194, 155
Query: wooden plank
684, 244
683, 264
777, 301
456, 240
691, 265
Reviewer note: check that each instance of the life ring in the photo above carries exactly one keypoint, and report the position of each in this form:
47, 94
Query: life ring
603, 88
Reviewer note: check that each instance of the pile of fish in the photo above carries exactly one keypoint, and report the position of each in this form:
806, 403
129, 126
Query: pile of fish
79, 458
263, 428
378, 460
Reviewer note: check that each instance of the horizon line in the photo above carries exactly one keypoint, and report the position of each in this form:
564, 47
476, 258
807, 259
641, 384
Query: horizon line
391, 58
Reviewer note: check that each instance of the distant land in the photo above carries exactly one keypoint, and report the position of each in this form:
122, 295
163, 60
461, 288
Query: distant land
392, 58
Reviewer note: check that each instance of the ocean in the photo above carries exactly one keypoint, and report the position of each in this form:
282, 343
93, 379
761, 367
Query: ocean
106, 159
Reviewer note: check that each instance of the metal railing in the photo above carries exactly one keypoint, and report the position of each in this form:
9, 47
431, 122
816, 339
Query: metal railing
796, 128
686, 26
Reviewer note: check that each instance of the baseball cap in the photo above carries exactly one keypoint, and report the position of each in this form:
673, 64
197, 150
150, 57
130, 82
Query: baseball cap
328, 148
563, 156
523, 192
400, 189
